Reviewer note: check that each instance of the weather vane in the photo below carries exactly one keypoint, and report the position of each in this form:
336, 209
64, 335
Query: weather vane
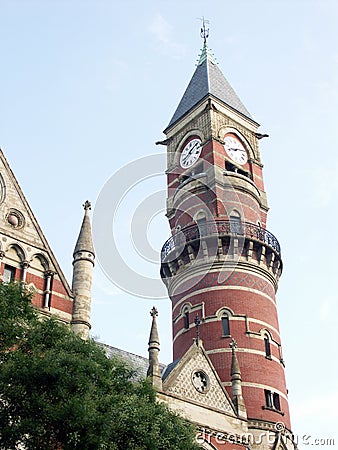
204, 30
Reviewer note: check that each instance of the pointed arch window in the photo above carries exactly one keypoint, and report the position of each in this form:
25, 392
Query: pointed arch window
186, 317
267, 347
225, 325
186, 320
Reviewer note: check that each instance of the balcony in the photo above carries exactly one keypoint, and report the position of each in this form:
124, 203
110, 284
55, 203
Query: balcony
219, 228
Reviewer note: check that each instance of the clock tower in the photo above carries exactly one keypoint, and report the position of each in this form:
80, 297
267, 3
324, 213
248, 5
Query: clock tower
221, 265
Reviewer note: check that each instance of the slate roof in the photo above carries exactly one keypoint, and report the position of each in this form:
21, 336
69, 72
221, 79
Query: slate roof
170, 367
140, 363
208, 80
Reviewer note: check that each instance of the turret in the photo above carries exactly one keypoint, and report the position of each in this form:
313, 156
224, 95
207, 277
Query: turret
154, 371
236, 383
83, 263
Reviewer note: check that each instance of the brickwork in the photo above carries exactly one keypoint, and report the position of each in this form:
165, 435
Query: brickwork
24, 248
227, 275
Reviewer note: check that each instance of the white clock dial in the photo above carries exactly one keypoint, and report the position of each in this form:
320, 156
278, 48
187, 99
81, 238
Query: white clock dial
235, 149
190, 153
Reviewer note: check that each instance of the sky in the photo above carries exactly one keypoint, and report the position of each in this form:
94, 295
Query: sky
86, 88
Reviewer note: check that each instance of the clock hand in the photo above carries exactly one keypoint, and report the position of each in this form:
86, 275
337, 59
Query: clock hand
190, 151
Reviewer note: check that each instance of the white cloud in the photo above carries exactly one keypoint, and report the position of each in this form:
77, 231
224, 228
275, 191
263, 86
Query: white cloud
163, 32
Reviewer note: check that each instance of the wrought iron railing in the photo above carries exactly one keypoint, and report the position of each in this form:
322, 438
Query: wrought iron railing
219, 228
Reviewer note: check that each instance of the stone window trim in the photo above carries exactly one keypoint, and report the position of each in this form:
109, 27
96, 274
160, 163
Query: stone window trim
188, 307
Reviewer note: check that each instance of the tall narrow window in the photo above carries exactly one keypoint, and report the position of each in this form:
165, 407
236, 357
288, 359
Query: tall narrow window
268, 398
9, 274
276, 401
186, 320
267, 347
225, 326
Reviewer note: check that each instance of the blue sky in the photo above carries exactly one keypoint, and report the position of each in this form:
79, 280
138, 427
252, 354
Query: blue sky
88, 86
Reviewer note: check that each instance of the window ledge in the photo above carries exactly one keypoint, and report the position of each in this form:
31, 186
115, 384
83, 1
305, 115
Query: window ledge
273, 409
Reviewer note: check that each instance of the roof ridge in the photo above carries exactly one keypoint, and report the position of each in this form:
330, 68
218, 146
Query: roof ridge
207, 80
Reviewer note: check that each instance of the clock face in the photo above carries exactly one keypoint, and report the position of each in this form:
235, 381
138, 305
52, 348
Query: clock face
235, 149
190, 153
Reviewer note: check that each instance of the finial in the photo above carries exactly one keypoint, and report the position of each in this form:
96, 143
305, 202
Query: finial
233, 344
87, 205
153, 312
204, 31
197, 323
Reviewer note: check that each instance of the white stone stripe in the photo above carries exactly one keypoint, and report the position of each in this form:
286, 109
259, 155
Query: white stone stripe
259, 386
219, 288
232, 318
244, 350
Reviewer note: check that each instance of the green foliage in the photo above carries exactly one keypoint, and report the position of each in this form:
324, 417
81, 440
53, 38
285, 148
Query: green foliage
58, 391
16, 314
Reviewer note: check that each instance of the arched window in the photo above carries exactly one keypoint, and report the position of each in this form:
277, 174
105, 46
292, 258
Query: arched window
225, 325
186, 317
267, 346
186, 320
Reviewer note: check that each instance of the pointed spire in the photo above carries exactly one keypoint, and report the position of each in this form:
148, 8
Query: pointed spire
207, 80
83, 263
84, 242
236, 382
154, 370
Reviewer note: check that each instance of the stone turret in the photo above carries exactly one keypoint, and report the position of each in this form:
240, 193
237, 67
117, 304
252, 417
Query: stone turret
236, 383
154, 371
83, 263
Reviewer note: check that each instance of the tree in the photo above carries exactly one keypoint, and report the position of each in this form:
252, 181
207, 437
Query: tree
58, 391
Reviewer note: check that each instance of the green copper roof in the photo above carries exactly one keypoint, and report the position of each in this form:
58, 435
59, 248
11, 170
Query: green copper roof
208, 80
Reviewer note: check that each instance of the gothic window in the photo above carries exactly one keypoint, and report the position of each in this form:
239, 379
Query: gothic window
225, 325
267, 346
186, 317
9, 274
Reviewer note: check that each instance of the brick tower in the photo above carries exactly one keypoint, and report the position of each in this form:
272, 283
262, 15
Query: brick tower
221, 265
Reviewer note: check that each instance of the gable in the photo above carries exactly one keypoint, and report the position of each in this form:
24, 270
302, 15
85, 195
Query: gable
24, 247
194, 378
